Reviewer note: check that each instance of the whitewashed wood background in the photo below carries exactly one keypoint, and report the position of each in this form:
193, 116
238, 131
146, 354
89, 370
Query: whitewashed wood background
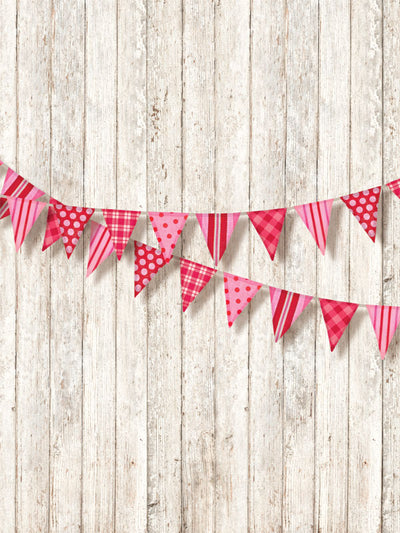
124, 415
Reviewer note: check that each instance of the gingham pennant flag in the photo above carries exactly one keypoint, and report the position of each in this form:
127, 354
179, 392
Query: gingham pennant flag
17, 187
148, 261
385, 319
269, 227
364, 206
217, 229
120, 225
337, 316
53, 232
238, 294
101, 246
316, 216
24, 214
394, 186
194, 277
286, 308
167, 227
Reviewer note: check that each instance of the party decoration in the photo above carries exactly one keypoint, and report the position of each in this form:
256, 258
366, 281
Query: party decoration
269, 227
148, 261
394, 186
364, 206
53, 232
194, 277
217, 229
286, 308
120, 224
337, 316
238, 294
167, 227
100, 247
385, 319
17, 187
24, 214
316, 217
71, 221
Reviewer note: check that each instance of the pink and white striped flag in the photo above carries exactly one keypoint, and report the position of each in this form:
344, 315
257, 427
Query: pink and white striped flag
316, 217
238, 294
17, 187
286, 308
167, 227
24, 214
385, 319
217, 229
100, 247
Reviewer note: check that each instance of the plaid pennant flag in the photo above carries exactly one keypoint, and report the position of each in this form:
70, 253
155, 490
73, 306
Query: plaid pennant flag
120, 225
286, 308
337, 316
101, 246
167, 227
385, 319
194, 277
53, 232
71, 221
17, 187
148, 261
238, 294
364, 206
217, 229
269, 226
24, 214
394, 186
316, 216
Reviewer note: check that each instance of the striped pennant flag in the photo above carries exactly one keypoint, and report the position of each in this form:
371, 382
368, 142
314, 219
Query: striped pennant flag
286, 308
217, 229
100, 247
269, 226
17, 187
364, 206
337, 316
120, 225
24, 214
238, 294
194, 277
394, 186
148, 261
53, 232
316, 217
385, 319
167, 227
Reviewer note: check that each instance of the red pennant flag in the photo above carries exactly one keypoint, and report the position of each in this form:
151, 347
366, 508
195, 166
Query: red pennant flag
217, 229
167, 227
286, 308
238, 294
194, 277
72, 221
364, 206
120, 225
148, 261
385, 319
269, 226
24, 214
17, 187
337, 316
53, 232
394, 186
316, 216
101, 246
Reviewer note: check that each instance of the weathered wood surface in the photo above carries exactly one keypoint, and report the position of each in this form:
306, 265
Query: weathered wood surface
121, 415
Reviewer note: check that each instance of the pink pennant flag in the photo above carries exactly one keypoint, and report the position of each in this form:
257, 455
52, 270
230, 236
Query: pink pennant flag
269, 227
194, 277
217, 229
71, 221
238, 294
337, 316
364, 206
17, 187
167, 227
24, 214
101, 246
385, 319
53, 232
120, 225
286, 308
316, 217
394, 186
148, 261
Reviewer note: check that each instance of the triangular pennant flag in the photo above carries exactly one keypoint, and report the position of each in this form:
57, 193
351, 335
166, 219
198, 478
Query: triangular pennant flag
269, 226
337, 316
17, 187
238, 293
364, 206
194, 277
385, 319
72, 221
148, 261
24, 214
101, 246
394, 186
286, 308
53, 232
120, 225
316, 217
167, 227
217, 229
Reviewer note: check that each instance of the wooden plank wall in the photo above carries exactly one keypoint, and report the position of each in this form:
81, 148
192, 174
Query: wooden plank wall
125, 415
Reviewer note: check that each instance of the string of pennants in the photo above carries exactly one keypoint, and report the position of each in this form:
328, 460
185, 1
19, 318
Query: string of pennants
20, 200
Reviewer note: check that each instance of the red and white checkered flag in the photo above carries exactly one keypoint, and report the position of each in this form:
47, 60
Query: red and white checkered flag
337, 316
194, 277
120, 225
269, 227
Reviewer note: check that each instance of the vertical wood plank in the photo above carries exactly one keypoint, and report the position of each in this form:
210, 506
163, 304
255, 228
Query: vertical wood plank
365, 372
98, 481
164, 94
32, 365
232, 121
131, 314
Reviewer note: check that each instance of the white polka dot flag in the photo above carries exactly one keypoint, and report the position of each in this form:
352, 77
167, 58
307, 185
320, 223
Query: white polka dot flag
364, 206
316, 216
167, 227
24, 214
238, 294
100, 247
148, 261
385, 319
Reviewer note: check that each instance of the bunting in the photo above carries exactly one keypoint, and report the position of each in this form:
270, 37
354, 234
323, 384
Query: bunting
17, 187
385, 319
120, 225
238, 294
194, 277
316, 216
71, 221
286, 308
100, 247
24, 214
53, 232
268, 225
394, 186
217, 229
148, 261
337, 316
167, 227
364, 206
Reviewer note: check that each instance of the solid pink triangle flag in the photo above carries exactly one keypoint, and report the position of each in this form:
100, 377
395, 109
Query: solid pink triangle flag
148, 261
53, 232
316, 216
394, 186
286, 308
167, 227
194, 277
364, 206
269, 227
72, 221
337, 316
238, 294
385, 319
217, 229
120, 225
100, 247
24, 214
17, 187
